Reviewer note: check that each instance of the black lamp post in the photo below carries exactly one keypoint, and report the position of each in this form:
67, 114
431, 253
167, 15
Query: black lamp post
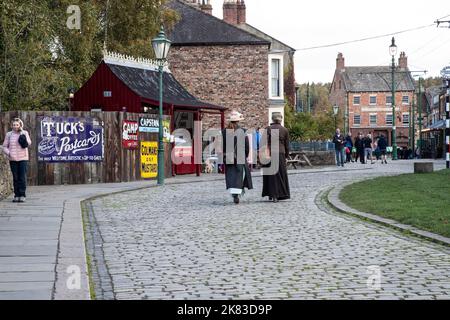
335, 112
161, 46
393, 52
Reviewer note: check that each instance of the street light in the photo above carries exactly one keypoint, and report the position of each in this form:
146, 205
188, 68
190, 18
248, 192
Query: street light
161, 46
393, 52
335, 111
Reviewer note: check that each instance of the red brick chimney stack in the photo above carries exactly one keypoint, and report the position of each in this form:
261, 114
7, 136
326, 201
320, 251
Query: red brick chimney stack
241, 12
340, 62
230, 11
403, 61
206, 7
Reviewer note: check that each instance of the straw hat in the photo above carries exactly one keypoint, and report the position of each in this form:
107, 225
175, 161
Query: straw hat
235, 116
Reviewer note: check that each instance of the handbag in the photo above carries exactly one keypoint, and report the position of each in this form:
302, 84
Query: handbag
23, 141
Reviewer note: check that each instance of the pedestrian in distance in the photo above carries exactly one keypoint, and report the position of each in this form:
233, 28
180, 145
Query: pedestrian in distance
359, 145
382, 145
339, 147
348, 147
15, 147
368, 148
276, 185
236, 149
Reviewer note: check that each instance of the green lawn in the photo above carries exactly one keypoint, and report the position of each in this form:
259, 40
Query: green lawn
420, 200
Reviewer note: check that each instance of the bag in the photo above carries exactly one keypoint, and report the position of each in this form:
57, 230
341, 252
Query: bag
23, 141
347, 150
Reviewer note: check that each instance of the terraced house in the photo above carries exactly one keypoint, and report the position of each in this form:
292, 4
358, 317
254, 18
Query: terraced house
364, 97
229, 62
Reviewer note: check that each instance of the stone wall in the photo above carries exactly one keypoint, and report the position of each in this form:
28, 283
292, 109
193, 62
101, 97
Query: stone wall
233, 76
321, 158
6, 185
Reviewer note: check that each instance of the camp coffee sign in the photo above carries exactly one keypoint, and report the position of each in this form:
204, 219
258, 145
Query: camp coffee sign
70, 139
130, 133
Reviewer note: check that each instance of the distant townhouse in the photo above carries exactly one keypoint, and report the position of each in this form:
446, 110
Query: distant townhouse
365, 99
230, 62
433, 134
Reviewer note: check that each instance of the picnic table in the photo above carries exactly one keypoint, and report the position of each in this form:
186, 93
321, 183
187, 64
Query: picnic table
297, 158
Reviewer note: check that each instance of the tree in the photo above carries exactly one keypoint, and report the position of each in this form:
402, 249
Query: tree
42, 58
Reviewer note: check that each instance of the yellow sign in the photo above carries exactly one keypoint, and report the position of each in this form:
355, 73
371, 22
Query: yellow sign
149, 159
166, 131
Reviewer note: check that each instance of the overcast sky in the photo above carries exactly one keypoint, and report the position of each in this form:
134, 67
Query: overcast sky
302, 24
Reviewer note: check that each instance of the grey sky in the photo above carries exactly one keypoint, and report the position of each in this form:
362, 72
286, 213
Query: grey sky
303, 24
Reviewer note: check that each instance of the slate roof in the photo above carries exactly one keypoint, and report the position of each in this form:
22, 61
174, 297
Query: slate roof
198, 28
376, 79
145, 83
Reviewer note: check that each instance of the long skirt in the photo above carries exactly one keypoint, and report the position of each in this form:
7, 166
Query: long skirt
277, 185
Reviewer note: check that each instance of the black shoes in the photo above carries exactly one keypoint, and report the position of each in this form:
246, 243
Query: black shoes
236, 198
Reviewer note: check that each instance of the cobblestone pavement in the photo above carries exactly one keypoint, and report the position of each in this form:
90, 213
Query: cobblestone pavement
189, 241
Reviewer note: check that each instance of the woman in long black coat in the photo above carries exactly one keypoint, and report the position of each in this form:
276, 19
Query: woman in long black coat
276, 186
237, 171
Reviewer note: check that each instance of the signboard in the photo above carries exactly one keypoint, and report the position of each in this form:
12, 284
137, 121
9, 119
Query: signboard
130, 132
151, 125
445, 73
149, 159
70, 139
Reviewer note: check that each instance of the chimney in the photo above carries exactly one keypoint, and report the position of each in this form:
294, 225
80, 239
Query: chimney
403, 61
230, 11
340, 62
206, 7
241, 12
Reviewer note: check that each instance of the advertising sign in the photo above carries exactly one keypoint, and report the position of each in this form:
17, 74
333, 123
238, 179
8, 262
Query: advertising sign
151, 125
149, 159
445, 73
70, 139
130, 132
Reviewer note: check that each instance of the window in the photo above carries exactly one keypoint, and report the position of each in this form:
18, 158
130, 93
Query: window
405, 100
276, 85
388, 99
373, 119
356, 100
406, 119
373, 100
389, 119
357, 119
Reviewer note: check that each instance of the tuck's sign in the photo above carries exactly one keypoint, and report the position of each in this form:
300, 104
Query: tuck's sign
70, 139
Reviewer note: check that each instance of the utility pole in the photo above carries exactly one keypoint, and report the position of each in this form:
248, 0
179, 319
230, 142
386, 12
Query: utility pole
446, 76
420, 118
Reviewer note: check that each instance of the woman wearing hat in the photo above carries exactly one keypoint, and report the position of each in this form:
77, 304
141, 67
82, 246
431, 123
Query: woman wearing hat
15, 147
276, 185
236, 151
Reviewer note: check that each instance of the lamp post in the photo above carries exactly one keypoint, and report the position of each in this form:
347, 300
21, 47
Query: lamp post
71, 92
419, 103
393, 52
335, 112
161, 46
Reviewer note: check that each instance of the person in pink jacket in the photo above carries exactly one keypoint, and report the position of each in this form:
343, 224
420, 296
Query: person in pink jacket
18, 158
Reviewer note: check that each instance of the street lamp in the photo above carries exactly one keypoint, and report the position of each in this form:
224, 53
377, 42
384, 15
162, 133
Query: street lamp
71, 92
393, 52
161, 46
335, 112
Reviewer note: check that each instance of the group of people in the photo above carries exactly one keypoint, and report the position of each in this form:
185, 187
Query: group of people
237, 171
362, 148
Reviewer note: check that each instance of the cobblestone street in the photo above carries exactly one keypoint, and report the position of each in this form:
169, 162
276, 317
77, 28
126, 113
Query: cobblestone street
189, 241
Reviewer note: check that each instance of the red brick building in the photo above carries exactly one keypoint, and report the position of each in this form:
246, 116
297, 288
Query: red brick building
228, 62
364, 97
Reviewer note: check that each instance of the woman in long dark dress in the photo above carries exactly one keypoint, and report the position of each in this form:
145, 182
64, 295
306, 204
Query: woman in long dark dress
237, 171
276, 186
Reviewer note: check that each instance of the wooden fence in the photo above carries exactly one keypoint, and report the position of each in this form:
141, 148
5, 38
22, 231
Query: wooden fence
119, 164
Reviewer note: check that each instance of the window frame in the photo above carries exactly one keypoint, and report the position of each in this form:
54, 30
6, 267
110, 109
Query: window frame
370, 119
280, 59
357, 97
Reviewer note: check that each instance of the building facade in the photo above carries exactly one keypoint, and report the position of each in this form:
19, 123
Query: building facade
229, 62
364, 97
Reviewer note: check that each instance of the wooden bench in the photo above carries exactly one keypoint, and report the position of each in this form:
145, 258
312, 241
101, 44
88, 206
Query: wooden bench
294, 159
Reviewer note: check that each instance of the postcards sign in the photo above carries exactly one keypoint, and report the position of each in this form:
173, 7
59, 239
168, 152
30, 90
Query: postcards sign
70, 139
130, 132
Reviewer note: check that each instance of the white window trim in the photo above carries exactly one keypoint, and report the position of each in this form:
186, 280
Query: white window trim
405, 103
385, 120
376, 118
354, 122
356, 96
387, 103
376, 100
281, 58
409, 119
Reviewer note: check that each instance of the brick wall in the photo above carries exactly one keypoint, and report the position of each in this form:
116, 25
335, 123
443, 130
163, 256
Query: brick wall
235, 77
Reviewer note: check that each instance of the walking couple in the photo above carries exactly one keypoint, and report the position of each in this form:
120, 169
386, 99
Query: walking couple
237, 170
